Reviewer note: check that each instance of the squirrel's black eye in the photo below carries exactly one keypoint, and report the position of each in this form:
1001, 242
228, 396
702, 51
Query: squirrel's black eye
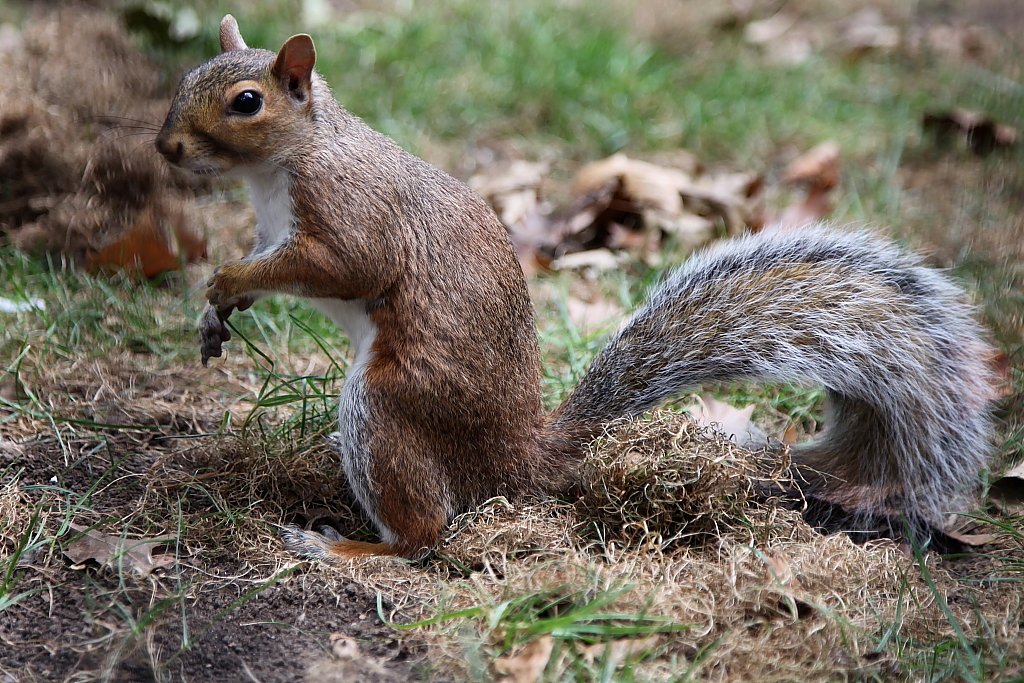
247, 102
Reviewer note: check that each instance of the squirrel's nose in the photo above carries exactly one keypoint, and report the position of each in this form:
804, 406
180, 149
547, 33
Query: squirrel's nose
171, 150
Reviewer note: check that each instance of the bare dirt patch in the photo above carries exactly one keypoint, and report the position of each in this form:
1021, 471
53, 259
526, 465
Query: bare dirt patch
91, 621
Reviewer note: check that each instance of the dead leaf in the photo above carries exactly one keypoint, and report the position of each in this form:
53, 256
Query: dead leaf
512, 191
115, 551
645, 245
817, 166
866, 31
734, 423
9, 448
646, 184
514, 194
1007, 492
818, 171
619, 650
159, 241
767, 30
593, 315
10, 38
961, 43
528, 664
783, 41
814, 206
788, 435
972, 539
596, 259
999, 364
974, 129
12, 390
630, 204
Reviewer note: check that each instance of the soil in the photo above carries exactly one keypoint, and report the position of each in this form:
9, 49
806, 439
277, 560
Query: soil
86, 622
80, 621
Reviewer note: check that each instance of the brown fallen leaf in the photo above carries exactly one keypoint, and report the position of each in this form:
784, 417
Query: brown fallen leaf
598, 260
619, 650
1007, 492
636, 241
514, 192
12, 389
783, 41
117, 552
812, 208
999, 364
960, 43
645, 183
9, 448
629, 204
975, 129
817, 170
972, 539
788, 435
596, 314
528, 664
866, 32
817, 166
159, 241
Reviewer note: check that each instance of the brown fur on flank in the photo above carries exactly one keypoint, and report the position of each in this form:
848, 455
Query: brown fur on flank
441, 409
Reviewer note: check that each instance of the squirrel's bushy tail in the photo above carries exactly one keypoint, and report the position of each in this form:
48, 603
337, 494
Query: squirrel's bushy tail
894, 343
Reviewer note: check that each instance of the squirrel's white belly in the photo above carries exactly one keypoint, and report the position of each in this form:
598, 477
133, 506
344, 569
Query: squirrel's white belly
270, 193
353, 412
353, 320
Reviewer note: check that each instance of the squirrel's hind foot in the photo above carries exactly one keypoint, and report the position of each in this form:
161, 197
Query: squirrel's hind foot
829, 516
327, 545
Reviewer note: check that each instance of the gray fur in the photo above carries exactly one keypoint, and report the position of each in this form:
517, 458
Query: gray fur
893, 342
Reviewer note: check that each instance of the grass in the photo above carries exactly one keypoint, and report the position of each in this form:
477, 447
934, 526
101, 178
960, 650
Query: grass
574, 616
567, 83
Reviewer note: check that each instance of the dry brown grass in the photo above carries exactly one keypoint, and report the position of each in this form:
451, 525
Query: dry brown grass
766, 597
76, 154
667, 522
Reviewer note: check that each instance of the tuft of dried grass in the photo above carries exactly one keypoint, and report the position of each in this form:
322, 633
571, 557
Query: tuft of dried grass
499, 533
683, 533
665, 482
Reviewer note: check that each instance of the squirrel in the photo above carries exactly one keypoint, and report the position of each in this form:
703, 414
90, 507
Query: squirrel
441, 407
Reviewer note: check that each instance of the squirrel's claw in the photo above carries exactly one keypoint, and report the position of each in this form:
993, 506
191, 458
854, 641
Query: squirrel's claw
212, 333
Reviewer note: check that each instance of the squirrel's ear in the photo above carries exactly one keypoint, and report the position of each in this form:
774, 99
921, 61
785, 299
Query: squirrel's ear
230, 37
294, 64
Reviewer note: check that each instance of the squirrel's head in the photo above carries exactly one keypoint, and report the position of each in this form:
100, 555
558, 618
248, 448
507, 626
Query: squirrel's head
242, 107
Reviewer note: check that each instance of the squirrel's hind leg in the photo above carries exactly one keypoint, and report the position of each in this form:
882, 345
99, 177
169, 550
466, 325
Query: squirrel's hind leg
329, 547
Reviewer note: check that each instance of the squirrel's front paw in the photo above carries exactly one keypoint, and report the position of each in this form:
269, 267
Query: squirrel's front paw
224, 289
212, 333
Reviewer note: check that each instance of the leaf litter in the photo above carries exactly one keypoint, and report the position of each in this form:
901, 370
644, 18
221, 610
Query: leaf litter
118, 553
669, 516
